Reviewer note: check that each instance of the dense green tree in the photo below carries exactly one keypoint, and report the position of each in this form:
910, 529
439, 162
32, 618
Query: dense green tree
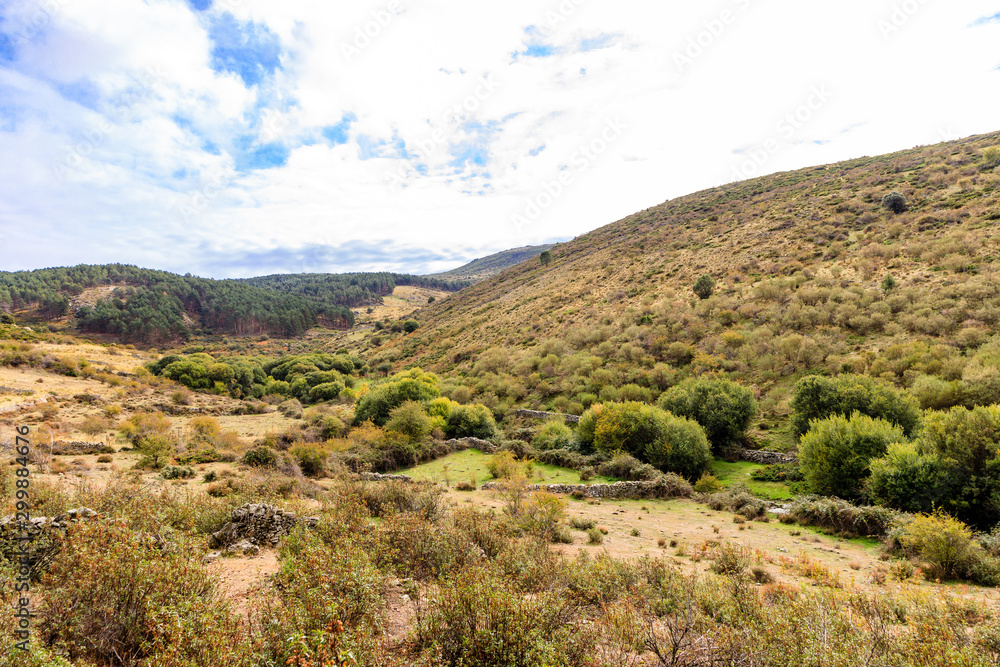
411, 385
818, 397
723, 408
836, 452
704, 287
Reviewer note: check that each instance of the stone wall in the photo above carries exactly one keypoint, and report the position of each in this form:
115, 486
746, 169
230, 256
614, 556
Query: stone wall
538, 414
379, 477
632, 490
77, 447
767, 458
259, 524
44, 532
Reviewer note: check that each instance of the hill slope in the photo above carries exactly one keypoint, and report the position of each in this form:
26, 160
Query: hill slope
484, 267
801, 261
153, 307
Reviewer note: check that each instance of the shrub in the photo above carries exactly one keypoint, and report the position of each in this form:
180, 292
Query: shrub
412, 385
311, 459
723, 408
730, 559
291, 408
934, 393
818, 397
907, 480
836, 452
991, 157
409, 326
682, 449
666, 441
895, 202
157, 451
473, 420
595, 536
410, 420
626, 467
553, 435
503, 465
840, 516
480, 620
739, 500
177, 472
708, 483
94, 425
114, 597
704, 286
260, 457
942, 541
104, 458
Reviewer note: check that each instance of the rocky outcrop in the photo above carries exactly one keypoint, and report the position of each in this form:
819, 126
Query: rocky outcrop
767, 458
538, 414
17, 407
259, 524
633, 490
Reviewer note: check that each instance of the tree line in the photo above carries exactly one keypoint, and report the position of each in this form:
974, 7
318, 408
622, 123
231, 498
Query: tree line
154, 307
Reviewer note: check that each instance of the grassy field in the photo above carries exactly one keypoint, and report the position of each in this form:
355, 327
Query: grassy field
740, 471
471, 464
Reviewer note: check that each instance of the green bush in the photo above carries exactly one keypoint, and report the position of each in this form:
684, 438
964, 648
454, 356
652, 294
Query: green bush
412, 385
409, 326
723, 408
478, 619
664, 440
704, 286
553, 435
628, 468
682, 449
177, 472
895, 202
946, 545
836, 452
817, 397
311, 459
840, 516
410, 420
475, 421
260, 457
967, 443
907, 480
708, 483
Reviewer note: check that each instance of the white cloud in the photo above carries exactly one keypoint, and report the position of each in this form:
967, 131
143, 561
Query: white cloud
133, 148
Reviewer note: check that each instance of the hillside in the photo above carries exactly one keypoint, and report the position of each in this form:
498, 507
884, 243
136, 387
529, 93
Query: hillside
484, 267
813, 274
154, 307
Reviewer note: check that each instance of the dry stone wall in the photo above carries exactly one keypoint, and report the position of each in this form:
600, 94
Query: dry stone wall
767, 458
259, 524
631, 490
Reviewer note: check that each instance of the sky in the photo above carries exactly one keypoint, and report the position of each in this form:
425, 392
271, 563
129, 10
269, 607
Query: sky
233, 138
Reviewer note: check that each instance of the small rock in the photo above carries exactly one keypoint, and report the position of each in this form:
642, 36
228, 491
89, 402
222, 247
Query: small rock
210, 557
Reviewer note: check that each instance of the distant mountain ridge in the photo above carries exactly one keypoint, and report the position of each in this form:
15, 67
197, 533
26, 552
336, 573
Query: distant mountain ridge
486, 267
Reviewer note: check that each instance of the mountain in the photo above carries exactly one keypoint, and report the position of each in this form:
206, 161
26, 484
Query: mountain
813, 272
484, 267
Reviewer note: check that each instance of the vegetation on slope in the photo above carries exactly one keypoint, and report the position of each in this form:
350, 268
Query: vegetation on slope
812, 273
484, 267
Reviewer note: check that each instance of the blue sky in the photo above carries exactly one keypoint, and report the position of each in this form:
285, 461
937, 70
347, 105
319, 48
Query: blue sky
246, 137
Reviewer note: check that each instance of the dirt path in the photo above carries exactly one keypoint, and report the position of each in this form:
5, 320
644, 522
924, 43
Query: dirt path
239, 577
